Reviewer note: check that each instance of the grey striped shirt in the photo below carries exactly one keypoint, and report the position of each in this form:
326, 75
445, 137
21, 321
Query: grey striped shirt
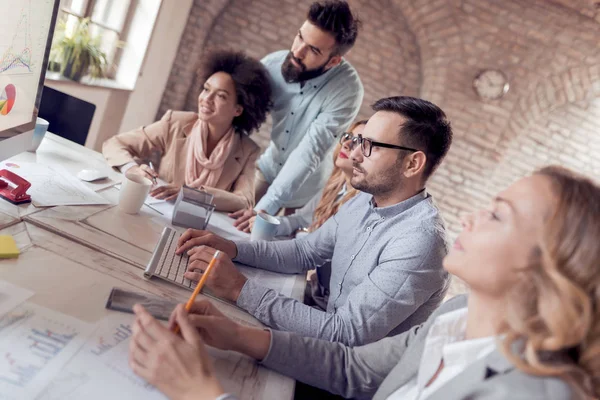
386, 276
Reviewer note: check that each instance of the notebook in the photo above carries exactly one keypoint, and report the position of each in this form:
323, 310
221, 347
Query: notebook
8, 247
167, 265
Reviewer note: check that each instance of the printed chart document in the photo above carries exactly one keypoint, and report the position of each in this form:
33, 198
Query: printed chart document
35, 343
54, 185
101, 370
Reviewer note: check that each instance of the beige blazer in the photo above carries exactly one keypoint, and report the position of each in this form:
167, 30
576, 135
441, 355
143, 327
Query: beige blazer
169, 138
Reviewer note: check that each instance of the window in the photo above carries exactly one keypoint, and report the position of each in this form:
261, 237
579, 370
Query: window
109, 20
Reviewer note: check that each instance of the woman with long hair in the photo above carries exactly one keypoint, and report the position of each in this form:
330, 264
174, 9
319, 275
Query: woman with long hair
528, 329
326, 203
319, 209
336, 192
209, 149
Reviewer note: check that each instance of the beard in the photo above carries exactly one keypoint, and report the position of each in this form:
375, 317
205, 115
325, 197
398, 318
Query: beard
294, 74
378, 184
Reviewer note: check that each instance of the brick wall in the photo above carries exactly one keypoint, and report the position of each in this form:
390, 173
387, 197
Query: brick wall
550, 50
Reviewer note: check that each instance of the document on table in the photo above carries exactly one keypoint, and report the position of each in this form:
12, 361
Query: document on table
222, 225
100, 370
35, 343
54, 185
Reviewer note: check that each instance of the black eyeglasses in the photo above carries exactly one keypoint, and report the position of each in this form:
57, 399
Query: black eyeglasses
366, 145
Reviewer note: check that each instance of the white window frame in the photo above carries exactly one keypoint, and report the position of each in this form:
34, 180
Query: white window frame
121, 33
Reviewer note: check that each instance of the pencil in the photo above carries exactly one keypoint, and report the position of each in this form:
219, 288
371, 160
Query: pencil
152, 168
190, 302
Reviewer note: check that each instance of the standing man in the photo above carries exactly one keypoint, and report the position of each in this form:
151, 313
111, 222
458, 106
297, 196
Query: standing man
316, 96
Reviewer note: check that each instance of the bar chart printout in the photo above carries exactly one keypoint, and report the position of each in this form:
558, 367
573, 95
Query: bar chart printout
35, 343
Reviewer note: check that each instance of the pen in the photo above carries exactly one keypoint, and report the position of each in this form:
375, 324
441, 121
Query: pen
190, 302
152, 168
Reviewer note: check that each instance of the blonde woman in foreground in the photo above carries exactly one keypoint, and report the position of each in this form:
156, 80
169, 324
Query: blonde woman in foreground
529, 328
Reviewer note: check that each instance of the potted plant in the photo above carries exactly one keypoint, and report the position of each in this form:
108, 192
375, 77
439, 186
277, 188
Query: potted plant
77, 52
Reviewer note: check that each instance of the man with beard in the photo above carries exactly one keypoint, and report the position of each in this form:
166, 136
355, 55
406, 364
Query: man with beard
316, 96
385, 245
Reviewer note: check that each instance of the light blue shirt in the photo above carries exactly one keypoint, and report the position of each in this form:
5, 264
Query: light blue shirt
307, 122
303, 217
386, 271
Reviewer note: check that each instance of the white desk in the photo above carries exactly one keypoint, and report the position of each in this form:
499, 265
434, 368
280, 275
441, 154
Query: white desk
132, 238
76, 280
57, 151
73, 255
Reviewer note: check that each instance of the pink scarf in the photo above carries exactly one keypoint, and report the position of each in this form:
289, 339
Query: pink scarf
203, 171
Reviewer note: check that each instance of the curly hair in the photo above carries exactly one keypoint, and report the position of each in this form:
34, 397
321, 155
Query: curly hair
252, 86
327, 205
554, 313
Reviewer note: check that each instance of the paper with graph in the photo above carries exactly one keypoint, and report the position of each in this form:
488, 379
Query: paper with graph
54, 186
24, 27
35, 343
104, 359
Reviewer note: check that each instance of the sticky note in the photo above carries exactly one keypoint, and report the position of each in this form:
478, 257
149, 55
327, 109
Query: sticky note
8, 247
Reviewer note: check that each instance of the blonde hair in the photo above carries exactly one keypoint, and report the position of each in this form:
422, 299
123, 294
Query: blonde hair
328, 205
554, 313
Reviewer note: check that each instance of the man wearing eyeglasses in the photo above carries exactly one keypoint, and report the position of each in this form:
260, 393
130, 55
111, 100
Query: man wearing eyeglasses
385, 245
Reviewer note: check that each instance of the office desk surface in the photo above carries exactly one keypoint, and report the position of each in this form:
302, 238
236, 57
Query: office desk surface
7, 219
57, 151
76, 280
132, 238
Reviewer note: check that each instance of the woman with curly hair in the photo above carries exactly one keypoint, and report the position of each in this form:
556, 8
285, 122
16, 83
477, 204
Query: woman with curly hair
210, 149
528, 329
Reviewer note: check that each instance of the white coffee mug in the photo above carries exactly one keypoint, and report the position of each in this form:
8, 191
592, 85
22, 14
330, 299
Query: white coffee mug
133, 193
265, 227
41, 127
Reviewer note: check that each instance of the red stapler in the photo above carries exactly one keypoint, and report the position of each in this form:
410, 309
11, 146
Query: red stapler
13, 188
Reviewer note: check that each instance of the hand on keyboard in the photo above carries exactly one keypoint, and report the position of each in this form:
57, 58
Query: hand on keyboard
224, 280
194, 237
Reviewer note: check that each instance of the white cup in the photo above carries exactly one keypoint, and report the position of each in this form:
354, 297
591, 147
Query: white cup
133, 193
265, 227
41, 127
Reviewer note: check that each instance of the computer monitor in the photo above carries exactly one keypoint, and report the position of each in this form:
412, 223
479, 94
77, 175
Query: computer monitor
27, 28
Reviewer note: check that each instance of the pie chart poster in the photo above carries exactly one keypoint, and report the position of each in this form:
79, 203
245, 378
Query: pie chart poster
7, 99
16, 103
24, 25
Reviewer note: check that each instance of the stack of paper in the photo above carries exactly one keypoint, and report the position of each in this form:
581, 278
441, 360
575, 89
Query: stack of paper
54, 186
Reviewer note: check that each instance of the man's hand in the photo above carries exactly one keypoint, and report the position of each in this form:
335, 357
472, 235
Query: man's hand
195, 237
179, 367
219, 331
242, 219
225, 280
251, 224
166, 192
